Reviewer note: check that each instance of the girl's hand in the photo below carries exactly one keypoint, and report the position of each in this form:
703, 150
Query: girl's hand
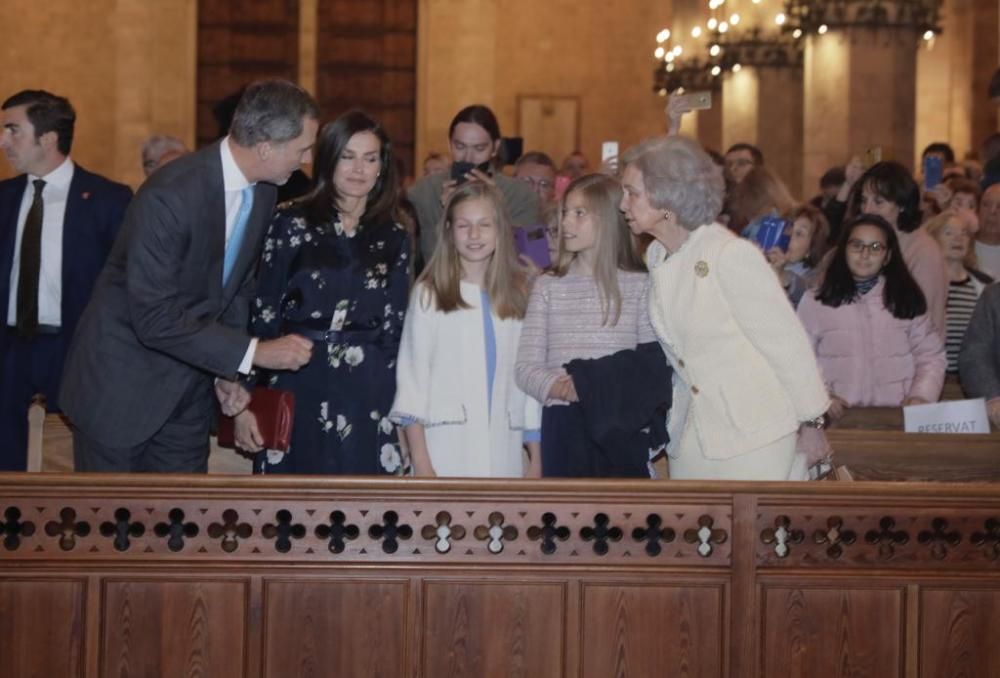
777, 258
246, 432
914, 400
564, 389
534, 467
423, 470
533, 270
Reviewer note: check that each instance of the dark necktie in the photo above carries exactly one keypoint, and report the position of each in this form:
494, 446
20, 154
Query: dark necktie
30, 265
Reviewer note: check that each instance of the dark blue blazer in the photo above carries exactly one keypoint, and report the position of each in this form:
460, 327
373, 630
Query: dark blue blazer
95, 208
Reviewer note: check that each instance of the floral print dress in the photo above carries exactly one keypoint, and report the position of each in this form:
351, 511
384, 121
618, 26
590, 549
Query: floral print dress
320, 278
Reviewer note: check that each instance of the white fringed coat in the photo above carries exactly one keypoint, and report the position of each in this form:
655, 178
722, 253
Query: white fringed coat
441, 383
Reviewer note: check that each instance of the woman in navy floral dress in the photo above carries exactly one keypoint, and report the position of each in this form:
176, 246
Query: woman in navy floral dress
336, 270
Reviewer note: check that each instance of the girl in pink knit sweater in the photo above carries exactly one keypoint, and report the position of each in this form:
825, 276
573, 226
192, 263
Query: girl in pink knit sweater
869, 326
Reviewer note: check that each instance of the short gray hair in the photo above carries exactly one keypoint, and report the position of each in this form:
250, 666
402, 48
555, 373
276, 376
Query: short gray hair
156, 146
679, 176
271, 110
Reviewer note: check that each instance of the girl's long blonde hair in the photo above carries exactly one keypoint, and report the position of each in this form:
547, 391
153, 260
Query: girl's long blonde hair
616, 246
506, 278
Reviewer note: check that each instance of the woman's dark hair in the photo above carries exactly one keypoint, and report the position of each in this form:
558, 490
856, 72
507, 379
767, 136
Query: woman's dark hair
320, 204
894, 183
480, 115
902, 296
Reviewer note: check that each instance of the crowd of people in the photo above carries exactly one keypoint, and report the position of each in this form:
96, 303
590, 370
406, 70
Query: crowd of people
536, 321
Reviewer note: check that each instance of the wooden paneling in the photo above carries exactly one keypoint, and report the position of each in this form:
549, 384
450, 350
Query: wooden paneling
174, 629
366, 57
833, 633
420, 578
959, 632
49, 613
653, 630
334, 628
240, 41
493, 628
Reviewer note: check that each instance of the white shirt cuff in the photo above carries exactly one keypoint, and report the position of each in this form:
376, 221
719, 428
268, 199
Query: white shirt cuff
248, 358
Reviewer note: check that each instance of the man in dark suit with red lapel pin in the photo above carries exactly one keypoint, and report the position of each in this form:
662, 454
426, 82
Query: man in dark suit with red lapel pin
57, 225
168, 317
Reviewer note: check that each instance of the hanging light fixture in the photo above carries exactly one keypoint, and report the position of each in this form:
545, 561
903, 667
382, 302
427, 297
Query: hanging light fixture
919, 17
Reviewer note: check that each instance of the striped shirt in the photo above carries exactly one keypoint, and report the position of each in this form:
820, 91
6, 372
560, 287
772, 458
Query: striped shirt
962, 297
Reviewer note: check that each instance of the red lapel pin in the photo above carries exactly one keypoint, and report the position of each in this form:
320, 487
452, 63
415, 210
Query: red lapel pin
86, 195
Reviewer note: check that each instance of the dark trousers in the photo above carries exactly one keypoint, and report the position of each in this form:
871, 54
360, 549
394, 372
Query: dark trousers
568, 451
180, 446
27, 367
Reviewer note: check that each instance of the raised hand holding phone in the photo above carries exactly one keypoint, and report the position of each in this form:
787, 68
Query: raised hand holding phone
609, 157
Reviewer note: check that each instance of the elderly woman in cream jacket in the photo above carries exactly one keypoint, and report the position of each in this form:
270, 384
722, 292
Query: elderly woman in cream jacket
745, 377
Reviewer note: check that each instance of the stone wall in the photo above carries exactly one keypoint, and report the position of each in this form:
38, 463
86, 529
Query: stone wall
128, 67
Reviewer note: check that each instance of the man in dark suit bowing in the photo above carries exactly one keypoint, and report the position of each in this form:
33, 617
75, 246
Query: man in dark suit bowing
169, 313
57, 224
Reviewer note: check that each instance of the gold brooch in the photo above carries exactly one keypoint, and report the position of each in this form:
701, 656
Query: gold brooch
701, 269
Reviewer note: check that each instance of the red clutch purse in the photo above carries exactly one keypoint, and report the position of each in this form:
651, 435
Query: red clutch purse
275, 410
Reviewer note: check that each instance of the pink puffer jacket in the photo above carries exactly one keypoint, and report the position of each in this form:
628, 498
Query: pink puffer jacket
870, 358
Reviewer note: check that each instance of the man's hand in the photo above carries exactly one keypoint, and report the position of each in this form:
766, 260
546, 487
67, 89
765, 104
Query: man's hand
479, 175
676, 108
232, 396
246, 432
290, 352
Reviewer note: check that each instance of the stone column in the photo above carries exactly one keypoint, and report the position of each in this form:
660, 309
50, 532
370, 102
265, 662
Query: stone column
307, 45
763, 106
860, 90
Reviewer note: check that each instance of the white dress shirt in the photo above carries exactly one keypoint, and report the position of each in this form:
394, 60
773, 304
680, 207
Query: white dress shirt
233, 183
54, 197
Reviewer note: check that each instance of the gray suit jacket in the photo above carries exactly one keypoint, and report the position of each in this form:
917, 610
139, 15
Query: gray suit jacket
979, 360
160, 324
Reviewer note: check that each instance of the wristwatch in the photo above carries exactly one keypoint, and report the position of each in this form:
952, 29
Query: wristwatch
817, 423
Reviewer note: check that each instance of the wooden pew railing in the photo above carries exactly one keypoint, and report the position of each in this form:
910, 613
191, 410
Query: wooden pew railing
871, 443
223, 577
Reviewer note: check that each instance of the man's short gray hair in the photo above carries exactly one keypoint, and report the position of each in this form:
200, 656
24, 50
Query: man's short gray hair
679, 176
156, 146
271, 110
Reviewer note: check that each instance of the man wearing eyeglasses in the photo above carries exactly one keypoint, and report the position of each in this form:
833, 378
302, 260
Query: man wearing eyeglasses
538, 171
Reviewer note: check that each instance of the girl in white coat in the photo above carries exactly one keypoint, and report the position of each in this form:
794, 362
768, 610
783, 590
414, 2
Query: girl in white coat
462, 414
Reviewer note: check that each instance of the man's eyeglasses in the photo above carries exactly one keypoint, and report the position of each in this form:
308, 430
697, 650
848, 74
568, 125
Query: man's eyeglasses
859, 246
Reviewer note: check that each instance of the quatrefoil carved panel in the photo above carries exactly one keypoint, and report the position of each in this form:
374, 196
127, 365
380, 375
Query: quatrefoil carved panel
443, 532
67, 529
495, 533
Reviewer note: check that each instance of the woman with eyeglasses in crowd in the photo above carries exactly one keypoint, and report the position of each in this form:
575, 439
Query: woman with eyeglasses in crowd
869, 326
888, 190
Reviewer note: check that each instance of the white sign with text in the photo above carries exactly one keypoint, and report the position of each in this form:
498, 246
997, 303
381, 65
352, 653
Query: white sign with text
949, 416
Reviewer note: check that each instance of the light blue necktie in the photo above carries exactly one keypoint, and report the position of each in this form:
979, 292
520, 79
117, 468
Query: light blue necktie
239, 228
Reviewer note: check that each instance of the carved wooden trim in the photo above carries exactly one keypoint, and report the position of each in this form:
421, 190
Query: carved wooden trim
931, 538
352, 530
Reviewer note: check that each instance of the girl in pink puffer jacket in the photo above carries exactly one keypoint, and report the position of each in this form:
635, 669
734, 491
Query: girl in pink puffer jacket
869, 326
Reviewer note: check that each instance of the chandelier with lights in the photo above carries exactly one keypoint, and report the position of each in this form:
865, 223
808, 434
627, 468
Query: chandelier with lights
768, 34
922, 17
